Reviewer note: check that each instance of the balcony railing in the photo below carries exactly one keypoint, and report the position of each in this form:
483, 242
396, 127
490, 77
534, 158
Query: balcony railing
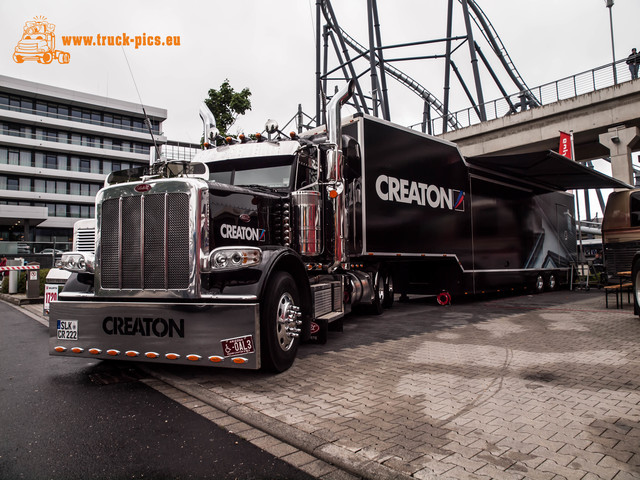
582, 83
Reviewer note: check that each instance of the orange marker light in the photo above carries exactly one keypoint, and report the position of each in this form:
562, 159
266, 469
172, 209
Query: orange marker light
95, 351
77, 350
151, 355
132, 353
60, 349
172, 356
113, 352
333, 193
193, 357
216, 359
239, 360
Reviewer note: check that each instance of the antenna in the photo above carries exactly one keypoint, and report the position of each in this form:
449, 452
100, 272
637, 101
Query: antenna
147, 122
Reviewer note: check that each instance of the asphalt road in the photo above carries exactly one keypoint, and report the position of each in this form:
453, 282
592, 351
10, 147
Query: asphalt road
65, 418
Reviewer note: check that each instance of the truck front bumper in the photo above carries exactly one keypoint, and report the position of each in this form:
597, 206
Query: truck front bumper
220, 334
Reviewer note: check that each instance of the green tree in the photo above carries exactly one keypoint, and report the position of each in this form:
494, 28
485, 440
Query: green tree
226, 104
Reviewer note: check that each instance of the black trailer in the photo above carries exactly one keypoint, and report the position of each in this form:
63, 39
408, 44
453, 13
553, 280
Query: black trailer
443, 223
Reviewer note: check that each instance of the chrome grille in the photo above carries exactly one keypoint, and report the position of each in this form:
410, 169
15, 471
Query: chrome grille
144, 242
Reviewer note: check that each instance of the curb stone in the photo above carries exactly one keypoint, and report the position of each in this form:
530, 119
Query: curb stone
306, 442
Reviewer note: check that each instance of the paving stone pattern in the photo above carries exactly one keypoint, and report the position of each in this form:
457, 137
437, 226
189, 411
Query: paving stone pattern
540, 387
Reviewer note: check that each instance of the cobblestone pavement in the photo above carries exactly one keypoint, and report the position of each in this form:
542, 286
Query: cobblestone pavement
540, 387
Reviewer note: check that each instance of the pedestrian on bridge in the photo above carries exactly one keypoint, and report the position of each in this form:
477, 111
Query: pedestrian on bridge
633, 61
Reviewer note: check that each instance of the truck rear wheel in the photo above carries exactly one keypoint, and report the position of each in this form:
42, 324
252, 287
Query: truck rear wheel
279, 323
387, 279
379, 297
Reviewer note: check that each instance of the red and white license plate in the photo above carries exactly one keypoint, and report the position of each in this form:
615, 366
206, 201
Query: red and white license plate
238, 346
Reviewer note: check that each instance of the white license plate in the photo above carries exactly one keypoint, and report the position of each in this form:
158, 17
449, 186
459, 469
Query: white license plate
67, 330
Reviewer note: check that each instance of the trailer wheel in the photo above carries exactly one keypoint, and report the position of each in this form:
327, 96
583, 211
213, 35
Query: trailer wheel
378, 286
635, 278
552, 283
279, 323
387, 279
539, 286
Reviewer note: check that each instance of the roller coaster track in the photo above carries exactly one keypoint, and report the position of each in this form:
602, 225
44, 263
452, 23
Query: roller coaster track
491, 36
401, 77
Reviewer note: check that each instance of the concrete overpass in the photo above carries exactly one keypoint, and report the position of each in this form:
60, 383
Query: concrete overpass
605, 124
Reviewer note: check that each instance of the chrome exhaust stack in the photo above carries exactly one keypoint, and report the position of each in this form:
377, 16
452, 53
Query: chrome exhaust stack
208, 125
334, 175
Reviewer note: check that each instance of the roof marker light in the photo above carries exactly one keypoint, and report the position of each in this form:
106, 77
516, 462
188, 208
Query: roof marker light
113, 353
152, 355
95, 351
132, 353
77, 350
193, 357
60, 349
216, 359
172, 356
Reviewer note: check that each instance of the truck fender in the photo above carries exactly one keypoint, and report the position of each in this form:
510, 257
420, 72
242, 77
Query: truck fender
286, 260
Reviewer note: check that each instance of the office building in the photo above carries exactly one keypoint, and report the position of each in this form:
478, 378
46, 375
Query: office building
56, 148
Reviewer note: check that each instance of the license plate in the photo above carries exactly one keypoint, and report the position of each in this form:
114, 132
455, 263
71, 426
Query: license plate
238, 346
67, 330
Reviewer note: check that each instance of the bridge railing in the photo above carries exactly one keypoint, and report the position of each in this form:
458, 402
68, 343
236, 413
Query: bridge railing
565, 88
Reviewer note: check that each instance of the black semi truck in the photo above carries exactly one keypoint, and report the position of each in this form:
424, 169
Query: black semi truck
235, 258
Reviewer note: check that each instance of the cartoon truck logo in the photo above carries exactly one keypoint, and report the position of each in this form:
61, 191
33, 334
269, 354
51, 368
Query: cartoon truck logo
38, 42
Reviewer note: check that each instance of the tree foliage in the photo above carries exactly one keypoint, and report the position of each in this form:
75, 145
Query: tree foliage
226, 104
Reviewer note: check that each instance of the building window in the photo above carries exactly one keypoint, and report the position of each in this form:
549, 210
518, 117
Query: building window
62, 162
51, 161
12, 183
25, 158
14, 157
74, 211
25, 184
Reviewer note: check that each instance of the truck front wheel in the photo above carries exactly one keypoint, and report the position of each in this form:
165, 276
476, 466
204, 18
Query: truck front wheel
279, 323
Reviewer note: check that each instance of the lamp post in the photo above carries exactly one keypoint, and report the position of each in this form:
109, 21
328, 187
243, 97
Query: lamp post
609, 4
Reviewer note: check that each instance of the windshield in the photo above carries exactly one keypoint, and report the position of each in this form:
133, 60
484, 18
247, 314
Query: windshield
271, 172
157, 170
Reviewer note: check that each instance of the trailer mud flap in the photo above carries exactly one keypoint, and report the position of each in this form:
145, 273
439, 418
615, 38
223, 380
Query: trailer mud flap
226, 335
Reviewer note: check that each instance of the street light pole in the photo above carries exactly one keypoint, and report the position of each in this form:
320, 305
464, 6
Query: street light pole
609, 4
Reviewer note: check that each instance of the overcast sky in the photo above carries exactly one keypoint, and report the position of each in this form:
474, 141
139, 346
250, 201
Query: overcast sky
269, 47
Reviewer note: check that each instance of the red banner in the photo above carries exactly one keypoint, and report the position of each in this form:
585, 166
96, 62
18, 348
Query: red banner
565, 145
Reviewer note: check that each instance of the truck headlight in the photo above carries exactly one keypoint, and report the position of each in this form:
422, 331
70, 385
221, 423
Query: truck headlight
79, 262
233, 258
